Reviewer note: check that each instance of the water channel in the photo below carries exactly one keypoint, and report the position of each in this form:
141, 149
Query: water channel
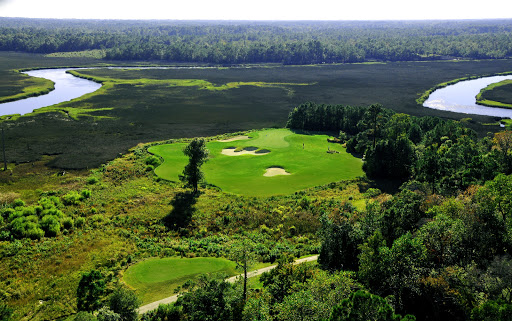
67, 87
461, 98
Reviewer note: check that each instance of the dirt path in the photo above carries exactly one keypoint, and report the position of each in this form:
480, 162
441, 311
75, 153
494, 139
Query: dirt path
154, 305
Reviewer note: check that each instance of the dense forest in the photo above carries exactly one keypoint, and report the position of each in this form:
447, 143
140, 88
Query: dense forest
263, 42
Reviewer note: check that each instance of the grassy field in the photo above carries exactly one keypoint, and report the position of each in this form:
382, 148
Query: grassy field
128, 112
496, 95
308, 166
157, 278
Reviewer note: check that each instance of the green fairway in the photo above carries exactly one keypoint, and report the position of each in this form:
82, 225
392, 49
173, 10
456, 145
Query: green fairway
304, 157
157, 278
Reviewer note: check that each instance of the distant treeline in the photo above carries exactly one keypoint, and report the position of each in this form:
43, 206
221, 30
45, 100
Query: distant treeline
263, 42
444, 154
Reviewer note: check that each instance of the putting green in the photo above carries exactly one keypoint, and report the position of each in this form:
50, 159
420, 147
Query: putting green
157, 278
305, 157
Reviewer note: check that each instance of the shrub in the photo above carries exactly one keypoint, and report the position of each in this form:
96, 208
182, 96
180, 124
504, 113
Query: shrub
80, 221
92, 180
67, 223
18, 202
105, 314
152, 160
49, 202
50, 225
14, 215
29, 210
54, 212
6, 212
372, 192
84, 316
34, 233
71, 198
85, 194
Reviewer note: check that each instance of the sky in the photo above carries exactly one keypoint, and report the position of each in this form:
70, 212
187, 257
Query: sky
258, 10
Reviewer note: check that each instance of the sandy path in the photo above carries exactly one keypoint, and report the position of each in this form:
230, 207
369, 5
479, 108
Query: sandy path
154, 305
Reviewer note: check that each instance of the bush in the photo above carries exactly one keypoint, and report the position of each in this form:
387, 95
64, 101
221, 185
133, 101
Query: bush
85, 194
92, 180
50, 225
84, 316
372, 192
6, 212
80, 221
71, 198
67, 223
105, 314
34, 233
29, 210
152, 160
18, 202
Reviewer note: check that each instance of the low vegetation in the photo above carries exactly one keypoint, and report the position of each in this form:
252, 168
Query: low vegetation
496, 95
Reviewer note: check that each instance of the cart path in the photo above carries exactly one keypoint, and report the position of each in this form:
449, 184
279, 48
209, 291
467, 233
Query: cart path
154, 305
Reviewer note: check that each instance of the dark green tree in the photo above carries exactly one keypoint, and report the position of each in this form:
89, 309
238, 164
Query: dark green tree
125, 303
210, 298
197, 154
339, 244
90, 291
364, 306
492, 310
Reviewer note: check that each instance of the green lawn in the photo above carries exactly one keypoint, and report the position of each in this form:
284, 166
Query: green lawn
308, 166
157, 278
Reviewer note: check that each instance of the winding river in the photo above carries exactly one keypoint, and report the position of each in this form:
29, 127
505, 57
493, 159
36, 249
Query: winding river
67, 87
459, 97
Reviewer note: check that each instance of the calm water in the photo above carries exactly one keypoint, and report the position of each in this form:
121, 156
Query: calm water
461, 98
67, 87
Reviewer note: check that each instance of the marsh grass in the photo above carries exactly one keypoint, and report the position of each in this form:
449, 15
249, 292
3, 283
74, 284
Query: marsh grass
496, 95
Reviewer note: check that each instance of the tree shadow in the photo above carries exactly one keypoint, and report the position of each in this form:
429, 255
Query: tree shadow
183, 209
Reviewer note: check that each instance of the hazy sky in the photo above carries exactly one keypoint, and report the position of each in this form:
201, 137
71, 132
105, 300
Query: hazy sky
258, 10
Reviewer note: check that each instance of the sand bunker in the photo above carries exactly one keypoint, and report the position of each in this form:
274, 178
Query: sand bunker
231, 151
274, 171
234, 138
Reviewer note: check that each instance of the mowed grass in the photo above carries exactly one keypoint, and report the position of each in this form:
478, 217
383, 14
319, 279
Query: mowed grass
157, 278
308, 166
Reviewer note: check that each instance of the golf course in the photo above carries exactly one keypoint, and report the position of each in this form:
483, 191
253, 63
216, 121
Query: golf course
266, 162
157, 278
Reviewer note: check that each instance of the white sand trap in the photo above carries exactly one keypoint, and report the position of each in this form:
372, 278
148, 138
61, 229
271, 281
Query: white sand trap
274, 171
241, 137
248, 150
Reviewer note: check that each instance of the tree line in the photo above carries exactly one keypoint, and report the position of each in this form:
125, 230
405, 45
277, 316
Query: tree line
263, 42
444, 154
